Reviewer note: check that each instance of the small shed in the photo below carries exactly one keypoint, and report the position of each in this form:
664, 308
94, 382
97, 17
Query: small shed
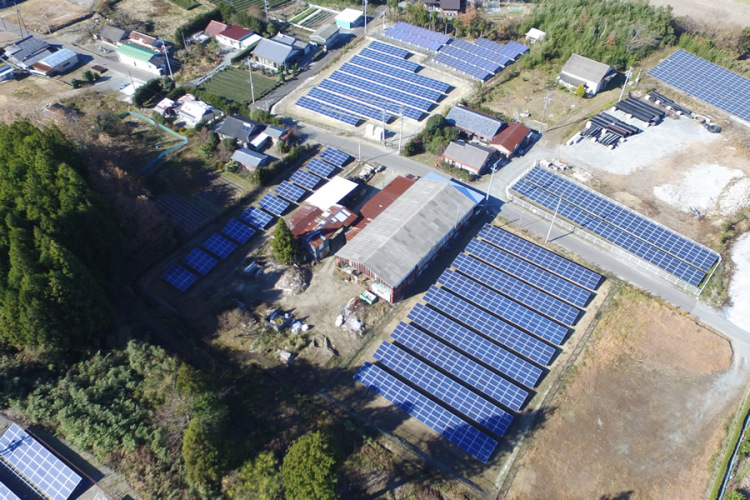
511, 139
474, 123
249, 159
332, 193
535, 35
6, 73
349, 18
56, 63
112, 34
593, 75
467, 156
326, 37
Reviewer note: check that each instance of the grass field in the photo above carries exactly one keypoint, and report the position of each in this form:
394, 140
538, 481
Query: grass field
234, 85
244, 4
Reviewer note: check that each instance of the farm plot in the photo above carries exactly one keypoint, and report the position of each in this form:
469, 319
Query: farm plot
642, 414
234, 85
244, 4
320, 18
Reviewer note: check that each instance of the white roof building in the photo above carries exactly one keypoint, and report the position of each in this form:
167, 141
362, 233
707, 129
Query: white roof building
331, 193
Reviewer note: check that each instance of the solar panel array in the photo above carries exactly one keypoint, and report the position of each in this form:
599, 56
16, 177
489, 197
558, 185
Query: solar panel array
629, 230
256, 218
6, 494
351, 106
398, 62
238, 231
273, 204
305, 179
37, 465
414, 35
321, 168
335, 157
179, 277
481, 59
329, 110
389, 49
356, 88
713, 84
219, 245
477, 408
200, 261
289, 191
446, 423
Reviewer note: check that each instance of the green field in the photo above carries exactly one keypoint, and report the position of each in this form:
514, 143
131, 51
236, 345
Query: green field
234, 84
244, 4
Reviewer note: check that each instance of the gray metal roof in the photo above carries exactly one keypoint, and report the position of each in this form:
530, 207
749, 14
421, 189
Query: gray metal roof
249, 158
275, 132
325, 33
474, 122
471, 155
275, 51
26, 47
583, 68
60, 57
238, 127
111, 33
400, 238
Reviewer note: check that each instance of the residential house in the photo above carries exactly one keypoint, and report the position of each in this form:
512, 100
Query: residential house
165, 107
474, 123
467, 156
593, 75
349, 18
27, 51
239, 128
449, 8
235, 37
249, 159
535, 35
6, 73
56, 63
142, 58
280, 51
321, 232
193, 111
512, 138
214, 28
277, 134
147, 41
326, 37
112, 34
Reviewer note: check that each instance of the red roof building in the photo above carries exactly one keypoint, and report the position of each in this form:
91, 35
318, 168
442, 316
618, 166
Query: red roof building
509, 140
380, 202
214, 28
321, 232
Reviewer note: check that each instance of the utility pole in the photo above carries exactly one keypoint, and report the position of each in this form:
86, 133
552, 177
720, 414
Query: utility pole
166, 54
266, 5
627, 78
552, 222
547, 100
401, 132
252, 86
489, 188
365, 17
184, 43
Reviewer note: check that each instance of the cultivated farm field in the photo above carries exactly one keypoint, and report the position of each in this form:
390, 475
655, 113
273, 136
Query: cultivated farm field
234, 85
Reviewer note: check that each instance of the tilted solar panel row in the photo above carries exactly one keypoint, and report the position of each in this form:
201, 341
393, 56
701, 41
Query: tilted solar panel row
482, 52
453, 394
397, 62
490, 326
503, 307
382, 91
256, 218
305, 179
219, 246
462, 66
275, 205
351, 106
200, 261
408, 76
179, 277
367, 71
470, 58
611, 233
289, 191
446, 423
328, 110
516, 289
320, 167
335, 157
541, 256
461, 367
529, 273
389, 49
238, 231
632, 222
349, 90
473, 344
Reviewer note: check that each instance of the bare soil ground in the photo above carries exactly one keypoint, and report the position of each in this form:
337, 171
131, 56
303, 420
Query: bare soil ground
643, 413
711, 11
29, 96
44, 16
166, 16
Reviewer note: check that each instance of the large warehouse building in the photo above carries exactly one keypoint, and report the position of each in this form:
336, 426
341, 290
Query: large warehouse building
398, 245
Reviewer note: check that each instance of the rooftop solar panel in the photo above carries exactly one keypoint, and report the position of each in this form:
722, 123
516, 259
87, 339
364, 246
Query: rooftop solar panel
200, 261
504, 308
275, 205
238, 231
517, 289
713, 84
475, 345
389, 49
328, 110
289, 191
473, 406
490, 326
335, 157
541, 256
321, 168
446, 423
305, 179
256, 218
529, 273
461, 367
179, 277
37, 465
219, 246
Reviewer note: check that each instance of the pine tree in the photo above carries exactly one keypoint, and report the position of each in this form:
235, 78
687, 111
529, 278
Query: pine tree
285, 247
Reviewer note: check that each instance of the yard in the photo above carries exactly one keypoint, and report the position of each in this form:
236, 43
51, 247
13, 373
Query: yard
234, 84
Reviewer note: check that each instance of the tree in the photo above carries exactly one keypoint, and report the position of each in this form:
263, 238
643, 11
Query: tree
285, 247
434, 123
203, 459
208, 148
581, 91
309, 468
282, 78
258, 479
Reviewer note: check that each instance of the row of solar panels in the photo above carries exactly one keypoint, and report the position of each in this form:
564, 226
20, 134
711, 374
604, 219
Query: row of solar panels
672, 252
471, 356
259, 218
481, 59
420, 37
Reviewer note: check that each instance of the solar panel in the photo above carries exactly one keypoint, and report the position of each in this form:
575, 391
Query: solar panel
446, 423
179, 277
238, 231
475, 345
504, 308
367, 71
490, 326
530, 273
499, 59
407, 76
397, 62
200, 261
305, 179
477, 408
256, 218
713, 84
289, 191
352, 91
350, 105
389, 49
335, 157
489, 66
420, 37
37, 465
275, 205
381, 90
219, 245
541, 256
461, 367
6, 494
328, 110
321, 168
462, 66
516, 289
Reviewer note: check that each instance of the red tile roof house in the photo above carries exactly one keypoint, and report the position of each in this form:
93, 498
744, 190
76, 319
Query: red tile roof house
214, 28
511, 139
235, 36
321, 232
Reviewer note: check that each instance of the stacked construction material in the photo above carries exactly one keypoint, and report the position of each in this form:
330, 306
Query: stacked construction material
641, 111
668, 103
608, 130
